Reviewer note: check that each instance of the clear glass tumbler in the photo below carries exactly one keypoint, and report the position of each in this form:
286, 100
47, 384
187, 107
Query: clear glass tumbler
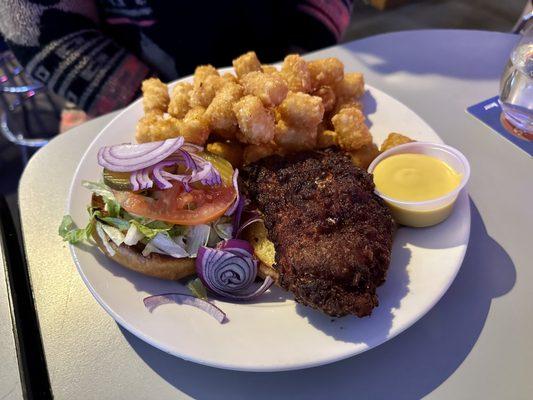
516, 87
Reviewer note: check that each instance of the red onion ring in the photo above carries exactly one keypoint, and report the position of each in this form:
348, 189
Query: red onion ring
230, 270
131, 157
247, 224
231, 244
151, 302
134, 182
235, 204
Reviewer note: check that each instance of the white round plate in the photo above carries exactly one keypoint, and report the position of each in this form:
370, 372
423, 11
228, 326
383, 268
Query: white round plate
275, 333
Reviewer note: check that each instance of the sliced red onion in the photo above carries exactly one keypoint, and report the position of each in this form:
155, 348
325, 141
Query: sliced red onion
131, 157
143, 176
184, 179
151, 302
237, 214
223, 272
247, 223
188, 160
231, 244
134, 182
230, 270
192, 148
235, 204
252, 293
157, 171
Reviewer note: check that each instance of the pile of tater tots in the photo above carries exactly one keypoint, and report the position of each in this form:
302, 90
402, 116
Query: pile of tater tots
263, 110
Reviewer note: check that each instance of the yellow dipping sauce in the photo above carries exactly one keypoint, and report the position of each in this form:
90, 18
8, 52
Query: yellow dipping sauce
416, 178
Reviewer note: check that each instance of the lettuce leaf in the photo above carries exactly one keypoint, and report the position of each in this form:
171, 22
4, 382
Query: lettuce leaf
114, 234
197, 288
195, 237
71, 233
112, 206
99, 188
151, 229
116, 222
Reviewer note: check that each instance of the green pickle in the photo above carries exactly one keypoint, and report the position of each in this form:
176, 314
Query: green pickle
222, 166
117, 180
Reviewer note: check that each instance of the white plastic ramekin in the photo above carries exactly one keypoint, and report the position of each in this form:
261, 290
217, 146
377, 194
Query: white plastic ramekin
428, 212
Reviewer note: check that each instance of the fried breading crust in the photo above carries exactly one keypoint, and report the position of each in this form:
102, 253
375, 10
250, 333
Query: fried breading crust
332, 234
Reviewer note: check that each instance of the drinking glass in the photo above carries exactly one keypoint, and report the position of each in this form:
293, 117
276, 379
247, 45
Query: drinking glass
516, 87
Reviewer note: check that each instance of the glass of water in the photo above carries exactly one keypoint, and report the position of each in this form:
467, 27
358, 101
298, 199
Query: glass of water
516, 88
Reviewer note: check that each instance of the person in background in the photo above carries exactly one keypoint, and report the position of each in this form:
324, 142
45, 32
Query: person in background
96, 53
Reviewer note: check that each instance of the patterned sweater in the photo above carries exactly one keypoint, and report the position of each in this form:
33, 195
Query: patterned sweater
96, 53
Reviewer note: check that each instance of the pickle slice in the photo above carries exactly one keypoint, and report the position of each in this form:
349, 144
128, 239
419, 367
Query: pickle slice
222, 165
117, 180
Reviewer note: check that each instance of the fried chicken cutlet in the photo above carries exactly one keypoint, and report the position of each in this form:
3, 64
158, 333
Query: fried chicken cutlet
332, 234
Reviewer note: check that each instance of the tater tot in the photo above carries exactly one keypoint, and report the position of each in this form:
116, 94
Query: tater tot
269, 69
271, 89
256, 123
220, 114
179, 100
327, 71
393, 140
341, 104
255, 152
227, 77
327, 95
295, 138
194, 126
301, 110
365, 155
229, 151
326, 138
204, 91
154, 126
246, 63
155, 96
352, 133
295, 71
203, 71
351, 87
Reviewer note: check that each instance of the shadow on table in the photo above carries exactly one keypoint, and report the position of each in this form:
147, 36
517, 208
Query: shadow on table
387, 56
409, 366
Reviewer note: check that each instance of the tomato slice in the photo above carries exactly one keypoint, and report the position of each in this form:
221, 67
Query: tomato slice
176, 206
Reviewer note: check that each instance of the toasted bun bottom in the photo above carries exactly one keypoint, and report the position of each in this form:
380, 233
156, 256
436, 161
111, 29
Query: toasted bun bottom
156, 265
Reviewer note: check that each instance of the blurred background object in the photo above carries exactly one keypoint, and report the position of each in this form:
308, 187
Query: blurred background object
31, 115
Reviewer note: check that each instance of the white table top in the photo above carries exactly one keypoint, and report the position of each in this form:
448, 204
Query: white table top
475, 343
10, 385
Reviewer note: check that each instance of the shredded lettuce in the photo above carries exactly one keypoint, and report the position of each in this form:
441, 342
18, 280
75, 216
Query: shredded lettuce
133, 235
114, 234
99, 188
105, 239
197, 288
196, 237
151, 230
71, 233
116, 222
163, 242
150, 248
223, 228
